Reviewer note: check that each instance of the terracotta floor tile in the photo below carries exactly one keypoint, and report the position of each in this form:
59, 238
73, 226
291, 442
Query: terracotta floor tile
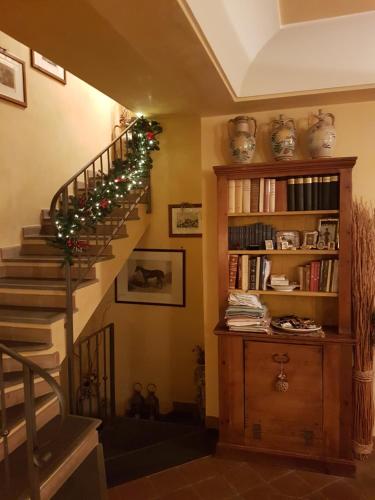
342, 490
140, 489
199, 469
243, 478
223, 465
292, 485
215, 488
315, 496
264, 492
168, 481
315, 479
269, 472
186, 493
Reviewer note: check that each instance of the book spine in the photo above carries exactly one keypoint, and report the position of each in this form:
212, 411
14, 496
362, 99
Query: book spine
299, 194
267, 195
320, 194
321, 275
272, 195
335, 277
291, 195
245, 272
301, 276
257, 282
307, 276
261, 195
329, 277
307, 193
253, 272
231, 197
334, 193
233, 263
315, 193
238, 195
326, 188
246, 196
312, 276
281, 195
254, 195
239, 275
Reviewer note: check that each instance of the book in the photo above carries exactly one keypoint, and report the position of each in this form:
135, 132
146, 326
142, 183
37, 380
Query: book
307, 276
267, 195
326, 189
307, 193
320, 193
238, 195
266, 272
327, 287
272, 195
291, 196
257, 279
233, 263
231, 197
254, 195
334, 193
281, 196
253, 273
301, 276
299, 205
246, 195
261, 195
335, 277
245, 272
315, 193
239, 275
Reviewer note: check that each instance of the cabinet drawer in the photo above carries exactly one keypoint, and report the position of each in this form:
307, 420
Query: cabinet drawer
291, 420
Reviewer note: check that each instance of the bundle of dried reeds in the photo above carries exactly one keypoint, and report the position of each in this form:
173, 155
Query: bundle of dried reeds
363, 282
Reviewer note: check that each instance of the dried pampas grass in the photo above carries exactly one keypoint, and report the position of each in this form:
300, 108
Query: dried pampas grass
363, 283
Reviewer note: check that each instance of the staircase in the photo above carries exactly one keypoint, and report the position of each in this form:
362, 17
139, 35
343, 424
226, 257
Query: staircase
42, 444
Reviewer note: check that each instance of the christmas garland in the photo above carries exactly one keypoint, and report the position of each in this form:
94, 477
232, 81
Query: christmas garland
86, 211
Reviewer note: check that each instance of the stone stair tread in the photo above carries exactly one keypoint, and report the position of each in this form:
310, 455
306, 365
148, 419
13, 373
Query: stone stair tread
29, 315
63, 441
16, 414
39, 284
49, 258
22, 345
15, 378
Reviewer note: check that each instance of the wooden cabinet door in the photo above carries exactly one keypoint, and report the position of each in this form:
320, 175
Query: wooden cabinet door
284, 421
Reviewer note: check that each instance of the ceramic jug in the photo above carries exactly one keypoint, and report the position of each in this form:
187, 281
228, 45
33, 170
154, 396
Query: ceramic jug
283, 138
322, 135
242, 132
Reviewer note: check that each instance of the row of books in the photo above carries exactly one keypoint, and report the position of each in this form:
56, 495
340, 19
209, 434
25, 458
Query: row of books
250, 236
319, 276
280, 195
249, 273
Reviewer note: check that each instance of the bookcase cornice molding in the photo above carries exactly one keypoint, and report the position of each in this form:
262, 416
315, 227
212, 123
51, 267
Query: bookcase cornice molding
286, 168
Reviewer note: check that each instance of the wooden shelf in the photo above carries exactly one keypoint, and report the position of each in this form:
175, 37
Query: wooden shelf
304, 293
273, 214
283, 252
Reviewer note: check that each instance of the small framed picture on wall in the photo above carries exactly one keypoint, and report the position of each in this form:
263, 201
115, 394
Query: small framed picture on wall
12, 79
185, 220
47, 67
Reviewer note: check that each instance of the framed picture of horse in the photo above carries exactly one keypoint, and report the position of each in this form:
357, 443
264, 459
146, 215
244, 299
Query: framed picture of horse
153, 277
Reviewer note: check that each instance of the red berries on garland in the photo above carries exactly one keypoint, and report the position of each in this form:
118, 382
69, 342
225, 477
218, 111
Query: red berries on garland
104, 203
150, 136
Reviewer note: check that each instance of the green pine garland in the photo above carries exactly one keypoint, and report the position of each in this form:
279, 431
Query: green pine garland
85, 212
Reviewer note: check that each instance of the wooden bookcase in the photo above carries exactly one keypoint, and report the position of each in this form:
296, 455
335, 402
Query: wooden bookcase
311, 423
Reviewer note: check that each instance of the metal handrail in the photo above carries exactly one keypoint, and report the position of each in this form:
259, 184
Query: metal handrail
34, 459
59, 192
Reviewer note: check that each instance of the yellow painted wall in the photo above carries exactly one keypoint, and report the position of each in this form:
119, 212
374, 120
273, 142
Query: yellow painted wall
355, 124
154, 343
61, 129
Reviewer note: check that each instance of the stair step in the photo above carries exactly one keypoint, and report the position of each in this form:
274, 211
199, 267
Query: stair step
49, 361
39, 284
70, 444
10, 297
29, 315
43, 248
14, 387
22, 345
48, 232
49, 271
24, 334
12, 254
46, 409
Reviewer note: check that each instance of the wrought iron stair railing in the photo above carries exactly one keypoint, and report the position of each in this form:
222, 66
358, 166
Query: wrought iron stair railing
38, 454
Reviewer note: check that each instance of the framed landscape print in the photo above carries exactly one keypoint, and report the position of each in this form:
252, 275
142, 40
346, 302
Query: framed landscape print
154, 277
185, 220
48, 67
12, 79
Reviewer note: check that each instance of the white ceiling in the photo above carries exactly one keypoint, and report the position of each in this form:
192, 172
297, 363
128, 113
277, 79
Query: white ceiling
259, 56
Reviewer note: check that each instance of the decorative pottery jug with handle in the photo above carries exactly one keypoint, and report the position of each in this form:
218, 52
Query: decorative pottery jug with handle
283, 138
242, 132
322, 135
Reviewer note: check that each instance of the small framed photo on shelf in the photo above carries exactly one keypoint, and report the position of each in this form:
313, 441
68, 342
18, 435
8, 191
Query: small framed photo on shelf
268, 244
310, 240
328, 233
287, 240
47, 67
185, 220
12, 79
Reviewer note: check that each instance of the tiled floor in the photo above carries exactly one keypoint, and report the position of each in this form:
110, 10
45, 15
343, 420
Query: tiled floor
212, 478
